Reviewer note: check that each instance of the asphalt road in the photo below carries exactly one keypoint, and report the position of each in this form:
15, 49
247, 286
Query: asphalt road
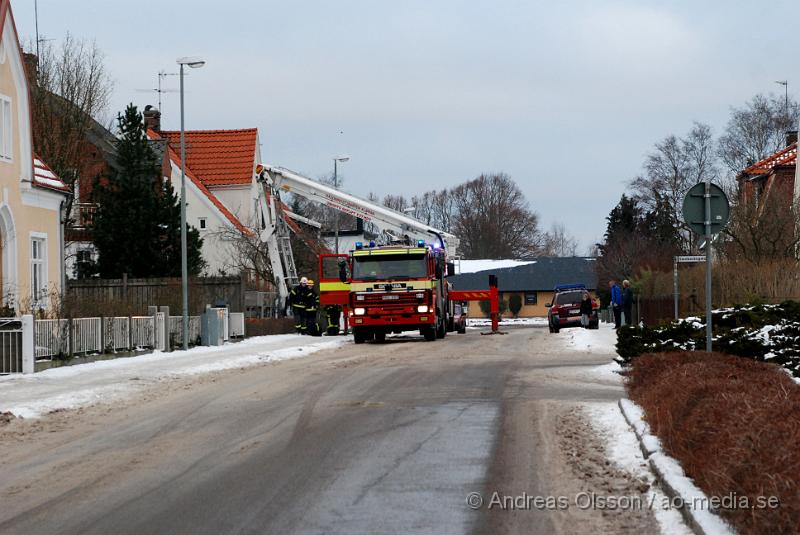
375, 438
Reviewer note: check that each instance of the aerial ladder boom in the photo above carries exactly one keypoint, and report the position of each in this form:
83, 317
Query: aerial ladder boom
390, 221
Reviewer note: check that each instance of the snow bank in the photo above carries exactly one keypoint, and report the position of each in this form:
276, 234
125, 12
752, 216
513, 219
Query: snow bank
622, 449
474, 266
70, 387
677, 485
530, 322
600, 340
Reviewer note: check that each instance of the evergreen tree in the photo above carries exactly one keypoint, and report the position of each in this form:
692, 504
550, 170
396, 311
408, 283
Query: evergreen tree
137, 225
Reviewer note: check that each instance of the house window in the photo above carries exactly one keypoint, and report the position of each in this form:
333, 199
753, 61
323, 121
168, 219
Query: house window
83, 264
531, 298
5, 129
202, 223
38, 270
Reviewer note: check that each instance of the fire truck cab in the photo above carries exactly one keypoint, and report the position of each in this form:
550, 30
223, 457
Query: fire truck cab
396, 288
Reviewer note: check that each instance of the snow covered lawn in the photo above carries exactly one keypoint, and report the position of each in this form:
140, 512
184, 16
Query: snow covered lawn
71, 387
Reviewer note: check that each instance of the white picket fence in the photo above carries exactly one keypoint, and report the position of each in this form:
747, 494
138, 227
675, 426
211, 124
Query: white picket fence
56, 338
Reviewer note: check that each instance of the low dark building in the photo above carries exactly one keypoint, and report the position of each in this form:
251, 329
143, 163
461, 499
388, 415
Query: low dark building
534, 282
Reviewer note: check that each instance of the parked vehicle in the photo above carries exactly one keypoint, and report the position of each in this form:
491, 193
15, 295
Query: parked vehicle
565, 309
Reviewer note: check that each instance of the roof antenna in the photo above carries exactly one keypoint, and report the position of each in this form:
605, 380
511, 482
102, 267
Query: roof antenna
159, 90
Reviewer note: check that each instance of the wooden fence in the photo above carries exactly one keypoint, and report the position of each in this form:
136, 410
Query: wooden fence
126, 296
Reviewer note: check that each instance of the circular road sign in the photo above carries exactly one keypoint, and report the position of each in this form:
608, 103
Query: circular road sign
694, 209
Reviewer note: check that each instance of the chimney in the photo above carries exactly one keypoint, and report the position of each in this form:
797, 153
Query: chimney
31, 64
152, 118
791, 137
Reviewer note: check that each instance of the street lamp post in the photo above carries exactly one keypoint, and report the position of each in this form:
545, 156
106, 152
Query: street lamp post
194, 63
336, 185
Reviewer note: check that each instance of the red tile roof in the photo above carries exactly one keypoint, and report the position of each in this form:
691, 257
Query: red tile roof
44, 177
220, 157
174, 158
787, 156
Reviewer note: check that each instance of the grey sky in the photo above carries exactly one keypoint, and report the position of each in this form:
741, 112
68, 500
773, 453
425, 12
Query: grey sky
566, 97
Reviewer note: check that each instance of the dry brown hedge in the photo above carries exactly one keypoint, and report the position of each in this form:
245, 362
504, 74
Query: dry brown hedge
263, 326
734, 425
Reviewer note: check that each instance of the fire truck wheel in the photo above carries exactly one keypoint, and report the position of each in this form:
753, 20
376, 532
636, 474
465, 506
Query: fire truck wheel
360, 335
380, 336
451, 324
441, 330
462, 328
429, 333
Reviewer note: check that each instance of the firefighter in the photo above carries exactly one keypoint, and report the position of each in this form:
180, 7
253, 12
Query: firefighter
298, 300
312, 305
333, 313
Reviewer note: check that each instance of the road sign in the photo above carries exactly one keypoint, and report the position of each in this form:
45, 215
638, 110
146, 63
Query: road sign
694, 208
691, 258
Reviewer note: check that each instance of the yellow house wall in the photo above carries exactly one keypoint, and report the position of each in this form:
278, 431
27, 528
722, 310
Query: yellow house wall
539, 310
27, 219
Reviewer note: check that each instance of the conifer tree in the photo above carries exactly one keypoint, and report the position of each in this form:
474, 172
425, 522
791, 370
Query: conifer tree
136, 228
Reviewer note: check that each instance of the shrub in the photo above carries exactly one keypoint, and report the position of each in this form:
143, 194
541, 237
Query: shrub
734, 425
762, 332
515, 304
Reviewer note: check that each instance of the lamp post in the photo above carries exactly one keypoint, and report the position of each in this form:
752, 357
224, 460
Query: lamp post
336, 185
194, 63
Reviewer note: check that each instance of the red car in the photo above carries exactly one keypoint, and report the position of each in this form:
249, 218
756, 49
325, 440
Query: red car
565, 309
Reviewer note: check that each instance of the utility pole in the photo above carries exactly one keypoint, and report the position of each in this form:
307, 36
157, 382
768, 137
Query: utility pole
785, 84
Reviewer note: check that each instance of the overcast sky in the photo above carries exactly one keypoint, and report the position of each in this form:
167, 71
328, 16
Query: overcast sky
566, 97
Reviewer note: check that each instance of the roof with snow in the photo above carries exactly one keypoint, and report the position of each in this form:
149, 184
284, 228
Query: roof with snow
786, 156
471, 266
220, 157
542, 275
44, 177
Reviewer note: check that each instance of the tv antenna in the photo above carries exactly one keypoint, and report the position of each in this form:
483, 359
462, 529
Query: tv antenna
785, 84
161, 75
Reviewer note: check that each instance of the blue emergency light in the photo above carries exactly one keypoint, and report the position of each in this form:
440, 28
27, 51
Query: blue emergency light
562, 287
372, 244
420, 243
359, 245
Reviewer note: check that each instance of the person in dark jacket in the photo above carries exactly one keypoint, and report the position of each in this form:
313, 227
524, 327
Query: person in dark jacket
312, 306
297, 300
616, 302
586, 310
332, 313
627, 303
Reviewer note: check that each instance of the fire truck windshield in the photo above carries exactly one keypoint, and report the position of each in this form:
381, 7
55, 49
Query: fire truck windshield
370, 268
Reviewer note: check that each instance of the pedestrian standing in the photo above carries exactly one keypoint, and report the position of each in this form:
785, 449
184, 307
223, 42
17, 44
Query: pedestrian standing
627, 303
616, 302
297, 300
586, 310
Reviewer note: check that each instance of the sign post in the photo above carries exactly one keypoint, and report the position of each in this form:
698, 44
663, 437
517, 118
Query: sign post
706, 211
678, 260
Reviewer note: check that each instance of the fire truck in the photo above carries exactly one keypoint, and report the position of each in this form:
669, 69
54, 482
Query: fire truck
396, 288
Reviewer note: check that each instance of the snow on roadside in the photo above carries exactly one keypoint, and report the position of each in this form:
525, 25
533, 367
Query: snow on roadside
69, 387
622, 448
483, 322
600, 340
474, 266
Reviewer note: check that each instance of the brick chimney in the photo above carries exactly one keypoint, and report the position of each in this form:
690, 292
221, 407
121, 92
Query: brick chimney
152, 118
791, 137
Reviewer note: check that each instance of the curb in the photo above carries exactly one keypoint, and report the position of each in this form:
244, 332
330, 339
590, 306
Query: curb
679, 489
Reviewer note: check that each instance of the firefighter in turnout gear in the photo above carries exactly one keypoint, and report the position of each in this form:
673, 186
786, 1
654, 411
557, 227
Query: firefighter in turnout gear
312, 306
332, 313
298, 299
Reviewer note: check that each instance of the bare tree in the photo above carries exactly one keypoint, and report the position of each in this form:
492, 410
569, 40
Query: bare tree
764, 230
671, 169
70, 90
756, 130
493, 219
559, 242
